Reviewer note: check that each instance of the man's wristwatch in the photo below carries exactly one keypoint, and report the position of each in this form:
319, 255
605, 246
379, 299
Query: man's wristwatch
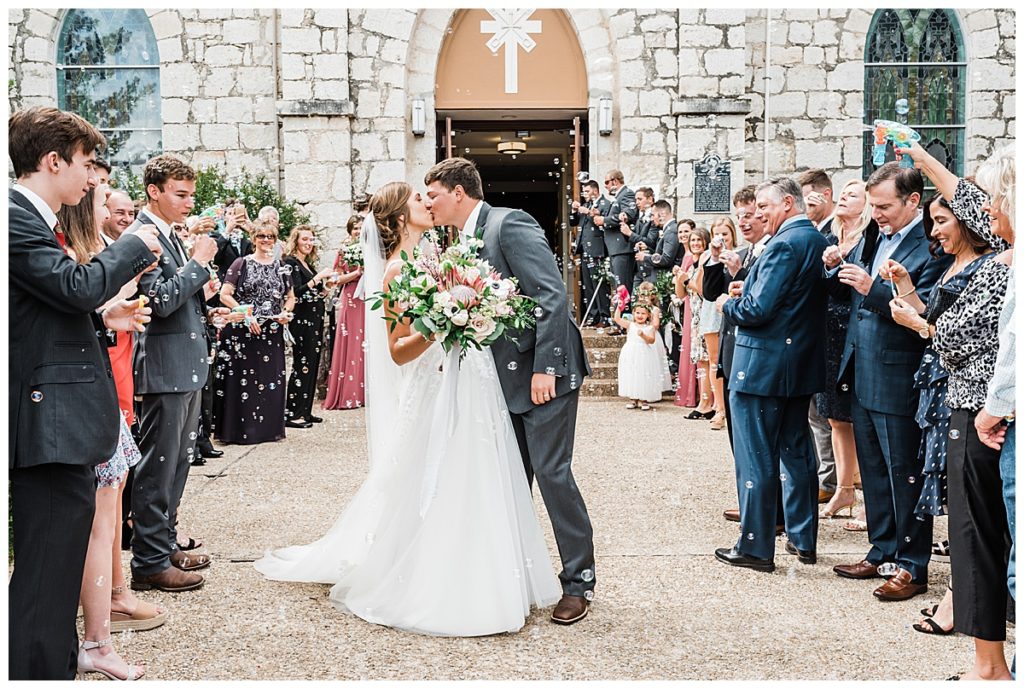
924, 331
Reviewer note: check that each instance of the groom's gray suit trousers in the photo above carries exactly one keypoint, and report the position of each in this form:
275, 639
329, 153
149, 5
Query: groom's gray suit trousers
546, 434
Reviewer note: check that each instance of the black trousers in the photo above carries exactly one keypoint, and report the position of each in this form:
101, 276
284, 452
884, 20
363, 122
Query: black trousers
305, 366
979, 535
206, 423
52, 507
623, 267
600, 309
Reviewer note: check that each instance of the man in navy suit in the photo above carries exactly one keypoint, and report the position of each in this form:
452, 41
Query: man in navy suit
778, 363
878, 365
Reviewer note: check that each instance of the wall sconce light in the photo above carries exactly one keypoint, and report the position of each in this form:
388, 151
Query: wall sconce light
604, 116
419, 117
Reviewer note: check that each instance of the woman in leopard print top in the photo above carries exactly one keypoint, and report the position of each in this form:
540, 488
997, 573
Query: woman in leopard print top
966, 339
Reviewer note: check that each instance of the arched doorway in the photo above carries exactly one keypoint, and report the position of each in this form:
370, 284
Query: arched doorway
511, 94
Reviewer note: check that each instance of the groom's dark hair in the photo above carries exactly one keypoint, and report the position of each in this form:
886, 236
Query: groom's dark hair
455, 172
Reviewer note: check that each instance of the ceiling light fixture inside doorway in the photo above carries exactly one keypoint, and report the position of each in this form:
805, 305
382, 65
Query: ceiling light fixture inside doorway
512, 148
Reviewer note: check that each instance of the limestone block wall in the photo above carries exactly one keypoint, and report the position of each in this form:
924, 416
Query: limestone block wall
645, 44
816, 87
711, 107
315, 115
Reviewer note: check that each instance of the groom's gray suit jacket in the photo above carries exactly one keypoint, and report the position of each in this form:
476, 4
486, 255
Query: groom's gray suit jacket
515, 246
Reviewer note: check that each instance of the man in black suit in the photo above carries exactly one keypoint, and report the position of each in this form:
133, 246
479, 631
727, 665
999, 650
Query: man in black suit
643, 236
63, 413
591, 250
666, 253
171, 366
816, 186
621, 211
233, 242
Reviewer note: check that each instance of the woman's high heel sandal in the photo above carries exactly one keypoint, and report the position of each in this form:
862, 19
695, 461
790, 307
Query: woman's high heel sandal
86, 664
834, 511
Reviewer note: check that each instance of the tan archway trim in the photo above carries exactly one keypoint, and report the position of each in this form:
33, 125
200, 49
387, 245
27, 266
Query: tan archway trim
541, 68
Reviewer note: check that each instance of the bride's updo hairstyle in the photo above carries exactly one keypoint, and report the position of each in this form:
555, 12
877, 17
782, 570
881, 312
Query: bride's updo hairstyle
388, 205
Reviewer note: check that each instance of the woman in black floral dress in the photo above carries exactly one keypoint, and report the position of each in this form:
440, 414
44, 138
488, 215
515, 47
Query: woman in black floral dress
252, 353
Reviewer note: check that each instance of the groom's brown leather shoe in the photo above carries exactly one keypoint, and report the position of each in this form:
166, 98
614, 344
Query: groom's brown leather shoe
570, 609
171, 579
187, 562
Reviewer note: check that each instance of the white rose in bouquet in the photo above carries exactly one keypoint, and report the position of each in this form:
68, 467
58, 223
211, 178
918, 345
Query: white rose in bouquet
423, 281
460, 318
443, 299
483, 327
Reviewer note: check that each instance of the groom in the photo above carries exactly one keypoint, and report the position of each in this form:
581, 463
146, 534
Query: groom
541, 372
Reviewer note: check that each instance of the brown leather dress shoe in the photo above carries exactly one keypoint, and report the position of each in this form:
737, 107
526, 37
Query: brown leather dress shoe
859, 570
171, 579
900, 586
187, 562
570, 609
824, 495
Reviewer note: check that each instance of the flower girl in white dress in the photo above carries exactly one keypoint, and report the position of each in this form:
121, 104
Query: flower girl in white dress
640, 374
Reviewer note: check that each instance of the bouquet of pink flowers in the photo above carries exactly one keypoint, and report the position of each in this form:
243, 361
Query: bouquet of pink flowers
456, 297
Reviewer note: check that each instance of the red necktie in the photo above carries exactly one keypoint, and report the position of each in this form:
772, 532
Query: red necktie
59, 233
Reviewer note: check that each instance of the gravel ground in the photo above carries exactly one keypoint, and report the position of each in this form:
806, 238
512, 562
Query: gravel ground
665, 609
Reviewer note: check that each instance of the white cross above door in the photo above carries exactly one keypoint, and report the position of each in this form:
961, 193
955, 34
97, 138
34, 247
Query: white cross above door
511, 29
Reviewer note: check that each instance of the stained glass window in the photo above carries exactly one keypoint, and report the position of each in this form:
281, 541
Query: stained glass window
917, 56
108, 71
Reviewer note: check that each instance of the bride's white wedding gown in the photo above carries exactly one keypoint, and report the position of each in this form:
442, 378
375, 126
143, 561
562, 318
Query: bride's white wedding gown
442, 538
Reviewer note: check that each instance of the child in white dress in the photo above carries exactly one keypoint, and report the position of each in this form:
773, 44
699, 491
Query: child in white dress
640, 375
647, 293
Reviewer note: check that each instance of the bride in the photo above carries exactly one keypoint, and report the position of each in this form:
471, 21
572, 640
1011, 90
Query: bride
442, 537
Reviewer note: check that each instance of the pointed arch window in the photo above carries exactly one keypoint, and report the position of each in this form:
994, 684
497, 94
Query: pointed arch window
108, 71
917, 55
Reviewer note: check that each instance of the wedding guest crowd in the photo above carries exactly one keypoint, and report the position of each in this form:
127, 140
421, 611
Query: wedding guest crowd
858, 342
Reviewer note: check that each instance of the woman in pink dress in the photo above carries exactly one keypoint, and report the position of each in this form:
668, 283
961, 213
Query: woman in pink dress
345, 380
686, 390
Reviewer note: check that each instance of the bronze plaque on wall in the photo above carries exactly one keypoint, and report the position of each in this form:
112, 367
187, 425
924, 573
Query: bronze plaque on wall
712, 185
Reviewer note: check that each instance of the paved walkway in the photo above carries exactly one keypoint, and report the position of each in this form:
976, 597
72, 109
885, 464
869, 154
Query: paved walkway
655, 486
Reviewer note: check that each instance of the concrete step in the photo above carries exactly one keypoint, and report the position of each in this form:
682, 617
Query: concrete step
599, 388
603, 355
603, 387
603, 371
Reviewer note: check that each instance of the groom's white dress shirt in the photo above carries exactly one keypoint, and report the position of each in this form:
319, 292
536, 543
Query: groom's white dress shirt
469, 229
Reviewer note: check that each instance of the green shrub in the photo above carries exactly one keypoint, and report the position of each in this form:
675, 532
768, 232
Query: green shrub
253, 191
214, 187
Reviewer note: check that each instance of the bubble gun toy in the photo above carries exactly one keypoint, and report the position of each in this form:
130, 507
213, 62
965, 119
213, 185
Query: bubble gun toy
245, 309
900, 135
